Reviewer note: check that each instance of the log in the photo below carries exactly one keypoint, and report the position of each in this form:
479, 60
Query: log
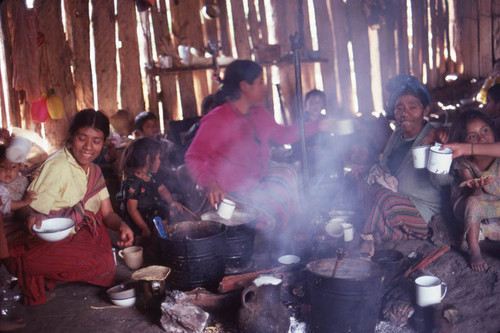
240, 281
211, 302
224, 29
78, 23
402, 38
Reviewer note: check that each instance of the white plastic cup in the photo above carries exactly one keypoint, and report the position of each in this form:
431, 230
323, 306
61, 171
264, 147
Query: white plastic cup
420, 156
166, 61
348, 232
440, 160
18, 150
226, 208
430, 290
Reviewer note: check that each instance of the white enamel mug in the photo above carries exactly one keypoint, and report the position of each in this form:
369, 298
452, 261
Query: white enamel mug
429, 290
226, 208
420, 156
439, 160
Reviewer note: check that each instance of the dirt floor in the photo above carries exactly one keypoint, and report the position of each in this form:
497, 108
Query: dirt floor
472, 302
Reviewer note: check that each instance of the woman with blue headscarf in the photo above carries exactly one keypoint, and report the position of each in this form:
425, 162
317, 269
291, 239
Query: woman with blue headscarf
404, 199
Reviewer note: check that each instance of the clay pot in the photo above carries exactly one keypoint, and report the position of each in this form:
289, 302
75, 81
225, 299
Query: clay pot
261, 308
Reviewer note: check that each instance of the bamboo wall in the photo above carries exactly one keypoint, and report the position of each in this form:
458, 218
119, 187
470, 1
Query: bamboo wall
465, 39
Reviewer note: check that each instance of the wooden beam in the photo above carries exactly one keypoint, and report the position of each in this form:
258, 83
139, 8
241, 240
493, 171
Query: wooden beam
78, 23
339, 14
327, 49
58, 72
361, 53
485, 37
495, 10
132, 98
241, 33
163, 41
469, 46
103, 22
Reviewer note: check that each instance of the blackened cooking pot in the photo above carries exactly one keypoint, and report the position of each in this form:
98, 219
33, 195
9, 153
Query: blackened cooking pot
194, 251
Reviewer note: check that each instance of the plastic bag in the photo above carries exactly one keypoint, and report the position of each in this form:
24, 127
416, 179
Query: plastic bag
39, 111
55, 106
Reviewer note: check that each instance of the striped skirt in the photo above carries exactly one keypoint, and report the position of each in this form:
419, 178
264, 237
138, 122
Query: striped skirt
40, 265
394, 217
275, 198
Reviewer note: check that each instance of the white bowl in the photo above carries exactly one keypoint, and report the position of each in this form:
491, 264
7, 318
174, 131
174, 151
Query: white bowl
289, 259
122, 291
55, 229
124, 302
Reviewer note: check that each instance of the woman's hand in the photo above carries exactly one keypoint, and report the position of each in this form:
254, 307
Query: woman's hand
34, 219
459, 149
215, 194
177, 206
29, 197
126, 235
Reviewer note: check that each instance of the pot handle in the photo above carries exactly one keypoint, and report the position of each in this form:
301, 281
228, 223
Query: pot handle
250, 289
120, 253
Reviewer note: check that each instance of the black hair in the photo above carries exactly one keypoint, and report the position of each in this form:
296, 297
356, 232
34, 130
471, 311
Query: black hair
88, 118
313, 93
494, 93
409, 87
236, 72
135, 155
142, 117
3, 151
212, 101
458, 131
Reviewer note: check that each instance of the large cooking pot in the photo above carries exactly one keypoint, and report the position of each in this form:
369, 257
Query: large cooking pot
349, 301
194, 251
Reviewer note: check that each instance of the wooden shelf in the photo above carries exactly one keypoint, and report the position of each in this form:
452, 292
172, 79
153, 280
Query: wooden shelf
282, 61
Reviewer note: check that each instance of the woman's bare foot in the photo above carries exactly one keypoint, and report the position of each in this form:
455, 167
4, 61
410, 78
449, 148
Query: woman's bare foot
477, 262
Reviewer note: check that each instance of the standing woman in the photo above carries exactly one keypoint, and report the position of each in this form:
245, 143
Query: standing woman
70, 185
230, 152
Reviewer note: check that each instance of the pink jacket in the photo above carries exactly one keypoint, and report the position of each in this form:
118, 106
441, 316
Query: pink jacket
233, 149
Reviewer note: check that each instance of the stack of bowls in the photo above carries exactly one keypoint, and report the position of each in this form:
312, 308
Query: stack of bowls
122, 294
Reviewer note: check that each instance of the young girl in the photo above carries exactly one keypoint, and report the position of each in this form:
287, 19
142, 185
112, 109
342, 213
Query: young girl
476, 194
141, 193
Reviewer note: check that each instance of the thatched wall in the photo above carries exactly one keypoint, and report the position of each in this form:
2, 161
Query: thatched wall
126, 43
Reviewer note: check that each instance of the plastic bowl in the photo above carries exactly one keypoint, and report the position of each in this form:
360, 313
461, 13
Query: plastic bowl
122, 291
55, 229
124, 302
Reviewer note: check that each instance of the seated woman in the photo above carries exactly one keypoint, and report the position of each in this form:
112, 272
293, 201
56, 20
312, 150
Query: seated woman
403, 208
230, 152
70, 185
477, 198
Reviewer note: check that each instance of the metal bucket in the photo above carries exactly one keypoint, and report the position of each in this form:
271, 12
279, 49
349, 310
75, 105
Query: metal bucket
194, 251
347, 302
239, 248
